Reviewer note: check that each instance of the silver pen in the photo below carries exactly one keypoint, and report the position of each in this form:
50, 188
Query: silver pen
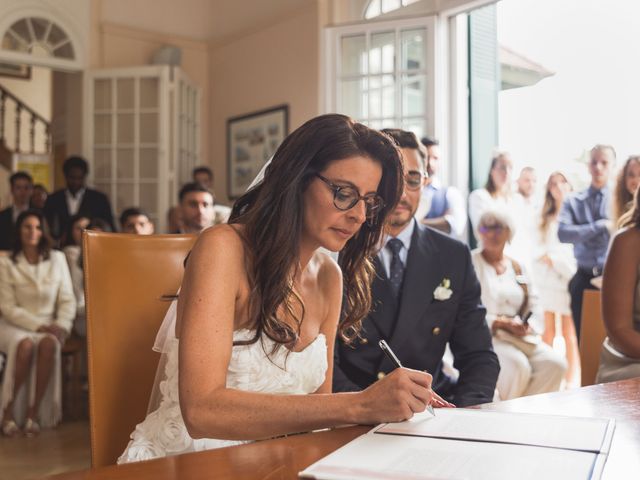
392, 356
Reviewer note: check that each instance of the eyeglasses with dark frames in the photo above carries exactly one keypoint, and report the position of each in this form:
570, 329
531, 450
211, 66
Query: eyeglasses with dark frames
346, 197
413, 180
490, 228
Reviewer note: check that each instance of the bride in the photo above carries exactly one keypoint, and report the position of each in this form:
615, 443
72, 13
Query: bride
259, 307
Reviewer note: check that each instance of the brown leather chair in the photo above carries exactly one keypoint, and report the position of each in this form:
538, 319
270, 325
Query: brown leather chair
125, 277
592, 334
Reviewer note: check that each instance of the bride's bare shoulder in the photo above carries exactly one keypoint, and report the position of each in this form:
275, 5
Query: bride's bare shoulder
218, 243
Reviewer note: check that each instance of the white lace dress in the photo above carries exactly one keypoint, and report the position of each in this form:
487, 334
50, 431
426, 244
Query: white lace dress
163, 432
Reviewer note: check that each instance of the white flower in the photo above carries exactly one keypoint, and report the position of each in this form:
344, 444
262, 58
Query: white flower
172, 434
443, 292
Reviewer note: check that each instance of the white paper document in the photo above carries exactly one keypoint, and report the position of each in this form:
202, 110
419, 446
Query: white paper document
468, 444
570, 433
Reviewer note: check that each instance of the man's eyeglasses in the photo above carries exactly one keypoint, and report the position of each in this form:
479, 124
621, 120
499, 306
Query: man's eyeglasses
413, 180
345, 197
490, 228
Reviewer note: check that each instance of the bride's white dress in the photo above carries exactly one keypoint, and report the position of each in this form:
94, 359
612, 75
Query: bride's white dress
163, 432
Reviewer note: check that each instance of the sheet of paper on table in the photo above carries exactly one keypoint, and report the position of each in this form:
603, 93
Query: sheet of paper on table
478, 444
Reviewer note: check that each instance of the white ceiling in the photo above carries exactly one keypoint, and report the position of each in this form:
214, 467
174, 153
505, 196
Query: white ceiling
211, 20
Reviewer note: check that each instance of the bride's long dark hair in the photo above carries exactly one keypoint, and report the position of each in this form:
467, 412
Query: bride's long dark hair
272, 212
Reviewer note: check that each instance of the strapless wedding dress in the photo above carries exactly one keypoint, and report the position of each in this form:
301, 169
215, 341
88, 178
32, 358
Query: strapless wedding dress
163, 431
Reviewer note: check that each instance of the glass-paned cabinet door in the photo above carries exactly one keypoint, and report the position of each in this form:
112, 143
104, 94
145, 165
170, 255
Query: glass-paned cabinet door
131, 114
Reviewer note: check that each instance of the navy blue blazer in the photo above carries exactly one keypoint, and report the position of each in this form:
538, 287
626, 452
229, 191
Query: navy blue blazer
7, 229
418, 327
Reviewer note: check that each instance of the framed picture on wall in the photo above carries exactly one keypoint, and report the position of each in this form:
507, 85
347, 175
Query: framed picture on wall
251, 140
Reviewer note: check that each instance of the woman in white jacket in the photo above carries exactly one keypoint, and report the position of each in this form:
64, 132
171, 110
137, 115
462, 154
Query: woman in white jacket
553, 268
38, 307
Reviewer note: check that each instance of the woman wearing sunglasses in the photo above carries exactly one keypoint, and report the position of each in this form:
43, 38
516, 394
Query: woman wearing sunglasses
527, 365
260, 306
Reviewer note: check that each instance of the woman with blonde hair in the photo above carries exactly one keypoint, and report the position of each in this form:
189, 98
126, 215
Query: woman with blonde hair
553, 267
497, 191
626, 185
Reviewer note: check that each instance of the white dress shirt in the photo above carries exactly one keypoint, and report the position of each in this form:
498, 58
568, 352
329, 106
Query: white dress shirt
405, 237
74, 202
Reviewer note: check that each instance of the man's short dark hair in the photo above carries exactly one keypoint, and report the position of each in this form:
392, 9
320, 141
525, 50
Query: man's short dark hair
20, 176
202, 169
193, 187
406, 139
75, 162
429, 142
131, 212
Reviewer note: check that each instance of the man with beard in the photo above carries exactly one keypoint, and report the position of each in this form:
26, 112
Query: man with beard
425, 295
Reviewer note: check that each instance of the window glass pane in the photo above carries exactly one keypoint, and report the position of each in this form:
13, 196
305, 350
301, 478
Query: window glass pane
354, 55
354, 98
148, 163
125, 128
149, 197
415, 125
102, 94
125, 93
56, 35
381, 53
373, 10
125, 163
39, 27
382, 96
102, 128
124, 197
149, 92
413, 49
389, 5
413, 91
64, 51
102, 163
148, 127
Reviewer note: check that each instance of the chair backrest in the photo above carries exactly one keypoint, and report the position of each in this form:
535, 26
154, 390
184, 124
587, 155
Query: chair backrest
125, 277
592, 334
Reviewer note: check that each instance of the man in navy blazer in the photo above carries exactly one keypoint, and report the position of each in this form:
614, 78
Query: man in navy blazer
21, 189
425, 295
76, 199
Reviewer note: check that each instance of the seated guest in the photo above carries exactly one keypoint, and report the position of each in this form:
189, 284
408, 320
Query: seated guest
73, 252
38, 197
135, 220
626, 185
37, 313
620, 357
496, 193
259, 307
553, 267
75, 199
425, 294
197, 209
584, 222
445, 206
21, 188
527, 365
202, 176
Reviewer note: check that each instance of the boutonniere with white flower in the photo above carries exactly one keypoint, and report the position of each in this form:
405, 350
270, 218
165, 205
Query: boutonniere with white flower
443, 291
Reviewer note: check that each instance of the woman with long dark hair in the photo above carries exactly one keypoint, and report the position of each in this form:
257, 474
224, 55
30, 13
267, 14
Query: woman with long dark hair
553, 267
259, 307
38, 308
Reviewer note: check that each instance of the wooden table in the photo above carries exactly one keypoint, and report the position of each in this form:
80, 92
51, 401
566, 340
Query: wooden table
283, 458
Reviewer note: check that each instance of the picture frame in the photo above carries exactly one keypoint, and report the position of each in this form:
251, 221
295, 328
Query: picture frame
252, 139
15, 70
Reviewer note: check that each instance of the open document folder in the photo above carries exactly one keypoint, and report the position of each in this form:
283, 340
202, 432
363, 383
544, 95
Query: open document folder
474, 444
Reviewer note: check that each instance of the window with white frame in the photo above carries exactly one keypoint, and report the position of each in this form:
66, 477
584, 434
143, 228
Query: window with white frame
380, 7
382, 73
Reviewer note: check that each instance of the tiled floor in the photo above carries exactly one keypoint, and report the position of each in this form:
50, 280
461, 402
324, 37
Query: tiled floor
65, 448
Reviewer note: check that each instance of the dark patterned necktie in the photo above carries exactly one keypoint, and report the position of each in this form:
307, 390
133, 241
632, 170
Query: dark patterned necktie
396, 269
